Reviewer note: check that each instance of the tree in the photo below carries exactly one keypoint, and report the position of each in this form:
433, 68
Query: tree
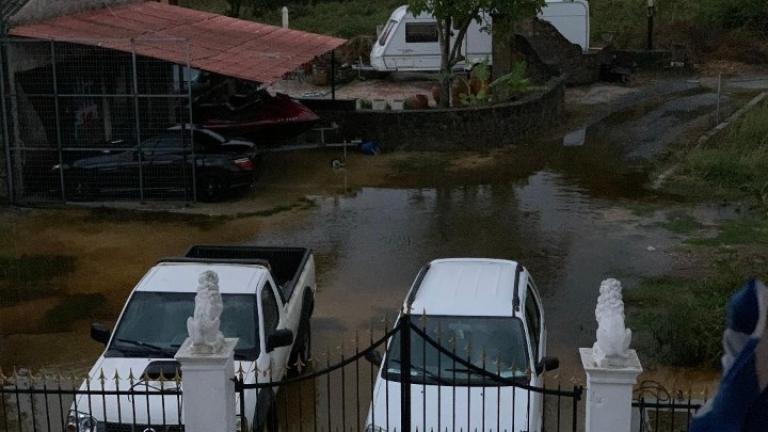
453, 19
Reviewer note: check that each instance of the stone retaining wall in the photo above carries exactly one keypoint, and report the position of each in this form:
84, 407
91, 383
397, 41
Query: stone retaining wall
473, 128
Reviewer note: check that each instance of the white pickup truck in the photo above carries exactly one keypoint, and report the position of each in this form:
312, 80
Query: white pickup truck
268, 296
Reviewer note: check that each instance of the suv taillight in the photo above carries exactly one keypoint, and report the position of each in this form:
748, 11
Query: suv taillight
244, 164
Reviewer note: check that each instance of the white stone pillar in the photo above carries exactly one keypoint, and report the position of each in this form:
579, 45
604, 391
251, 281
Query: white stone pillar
609, 392
209, 392
285, 16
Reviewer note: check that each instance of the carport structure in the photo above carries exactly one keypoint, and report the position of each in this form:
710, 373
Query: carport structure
105, 80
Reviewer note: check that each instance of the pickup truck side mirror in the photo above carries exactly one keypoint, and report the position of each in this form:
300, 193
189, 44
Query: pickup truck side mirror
279, 338
547, 364
374, 357
100, 333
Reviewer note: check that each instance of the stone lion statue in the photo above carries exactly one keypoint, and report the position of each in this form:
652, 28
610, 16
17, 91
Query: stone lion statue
613, 338
203, 326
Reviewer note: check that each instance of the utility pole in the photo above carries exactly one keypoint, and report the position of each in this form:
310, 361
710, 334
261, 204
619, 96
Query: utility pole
651, 16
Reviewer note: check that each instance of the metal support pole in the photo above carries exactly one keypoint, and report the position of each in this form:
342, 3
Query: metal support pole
138, 120
333, 75
651, 15
405, 372
191, 123
58, 121
719, 92
4, 123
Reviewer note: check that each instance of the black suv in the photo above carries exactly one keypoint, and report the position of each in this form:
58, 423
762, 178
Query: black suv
221, 165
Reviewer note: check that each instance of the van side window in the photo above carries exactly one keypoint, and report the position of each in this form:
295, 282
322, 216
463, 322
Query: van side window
533, 319
387, 30
269, 309
420, 32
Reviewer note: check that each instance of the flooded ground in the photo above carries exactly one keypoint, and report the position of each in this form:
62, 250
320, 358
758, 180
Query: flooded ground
570, 204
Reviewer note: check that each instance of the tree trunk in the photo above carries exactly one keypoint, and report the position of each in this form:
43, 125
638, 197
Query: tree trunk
445, 67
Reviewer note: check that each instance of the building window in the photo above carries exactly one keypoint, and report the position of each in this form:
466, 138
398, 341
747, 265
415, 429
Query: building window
420, 32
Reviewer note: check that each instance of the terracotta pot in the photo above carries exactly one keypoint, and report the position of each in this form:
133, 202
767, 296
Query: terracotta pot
477, 85
458, 88
418, 101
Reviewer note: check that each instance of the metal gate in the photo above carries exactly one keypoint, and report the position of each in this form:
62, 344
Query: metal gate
407, 393
82, 122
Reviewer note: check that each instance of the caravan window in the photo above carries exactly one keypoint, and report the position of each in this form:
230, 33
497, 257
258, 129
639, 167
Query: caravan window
421, 32
387, 30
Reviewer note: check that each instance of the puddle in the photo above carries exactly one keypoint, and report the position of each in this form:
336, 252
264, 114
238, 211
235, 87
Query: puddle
561, 206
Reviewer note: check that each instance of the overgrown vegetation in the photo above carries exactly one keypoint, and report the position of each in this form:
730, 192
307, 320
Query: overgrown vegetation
733, 164
334, 17
71, 309
682, 223
730, 29
747, 231
680, 322
31, 276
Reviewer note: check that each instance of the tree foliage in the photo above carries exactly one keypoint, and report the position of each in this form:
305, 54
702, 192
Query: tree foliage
454, 18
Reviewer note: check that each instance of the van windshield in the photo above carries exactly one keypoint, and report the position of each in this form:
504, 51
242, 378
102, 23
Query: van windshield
495, 344
387, 30
155, 325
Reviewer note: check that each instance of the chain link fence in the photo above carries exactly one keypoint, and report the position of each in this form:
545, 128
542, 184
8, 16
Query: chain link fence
81, 122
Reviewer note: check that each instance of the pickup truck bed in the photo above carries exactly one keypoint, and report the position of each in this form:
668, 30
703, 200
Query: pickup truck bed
285, 263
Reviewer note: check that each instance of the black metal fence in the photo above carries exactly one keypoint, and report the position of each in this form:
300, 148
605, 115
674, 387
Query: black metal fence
81, 122
657, 409
355, 390
30, 403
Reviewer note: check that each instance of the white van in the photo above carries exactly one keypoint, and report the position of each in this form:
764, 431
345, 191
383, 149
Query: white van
410, 43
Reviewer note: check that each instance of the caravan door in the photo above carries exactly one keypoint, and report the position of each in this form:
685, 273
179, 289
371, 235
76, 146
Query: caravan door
421, 44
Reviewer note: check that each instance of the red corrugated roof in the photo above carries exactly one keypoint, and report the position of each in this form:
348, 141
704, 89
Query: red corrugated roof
215, 43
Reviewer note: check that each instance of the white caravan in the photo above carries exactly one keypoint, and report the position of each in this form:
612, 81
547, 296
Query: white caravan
410, 43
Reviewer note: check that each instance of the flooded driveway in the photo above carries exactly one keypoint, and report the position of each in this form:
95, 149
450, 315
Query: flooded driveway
570, 205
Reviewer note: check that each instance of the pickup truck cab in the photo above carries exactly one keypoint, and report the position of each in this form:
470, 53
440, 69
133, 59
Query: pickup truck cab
268, 299
488, 313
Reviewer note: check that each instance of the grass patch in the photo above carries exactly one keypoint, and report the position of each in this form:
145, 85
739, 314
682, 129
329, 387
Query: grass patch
681, 223
749, 231
72, 309
111, 215
680, 322
734, 163
302, 203
420, 164
708, 26
31, 276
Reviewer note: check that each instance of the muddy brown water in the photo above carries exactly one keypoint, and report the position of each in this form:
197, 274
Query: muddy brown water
573, 211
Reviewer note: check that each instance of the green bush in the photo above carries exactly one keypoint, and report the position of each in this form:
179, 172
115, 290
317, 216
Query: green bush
693, 22
736, 14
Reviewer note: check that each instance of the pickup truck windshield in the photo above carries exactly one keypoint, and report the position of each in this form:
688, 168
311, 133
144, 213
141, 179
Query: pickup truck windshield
155, 325
501, 340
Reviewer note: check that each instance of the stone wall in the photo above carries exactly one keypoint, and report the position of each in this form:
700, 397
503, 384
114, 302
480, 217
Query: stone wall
474, 128
559, 53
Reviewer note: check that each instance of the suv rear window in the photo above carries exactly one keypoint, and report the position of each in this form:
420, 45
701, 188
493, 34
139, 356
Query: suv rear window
496, 344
